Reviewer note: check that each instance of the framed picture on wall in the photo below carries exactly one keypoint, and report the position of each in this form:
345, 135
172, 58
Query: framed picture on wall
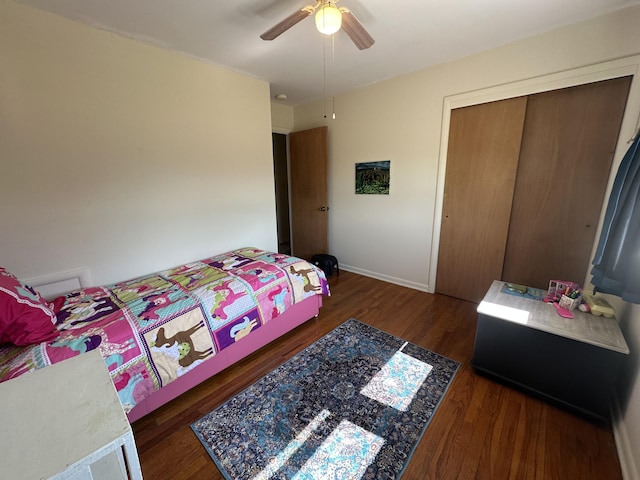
372, 178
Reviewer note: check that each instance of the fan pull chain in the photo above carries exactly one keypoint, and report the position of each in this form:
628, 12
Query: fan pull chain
333, 85
333, 77
324, 77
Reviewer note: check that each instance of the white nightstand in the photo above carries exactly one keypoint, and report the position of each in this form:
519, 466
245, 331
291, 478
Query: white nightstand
59, 420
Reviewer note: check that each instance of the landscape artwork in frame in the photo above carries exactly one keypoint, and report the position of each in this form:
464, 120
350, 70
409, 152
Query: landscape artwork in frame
373, 177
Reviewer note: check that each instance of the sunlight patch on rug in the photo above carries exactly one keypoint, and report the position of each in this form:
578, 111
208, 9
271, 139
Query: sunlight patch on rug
397, 383
345, 454
295, 445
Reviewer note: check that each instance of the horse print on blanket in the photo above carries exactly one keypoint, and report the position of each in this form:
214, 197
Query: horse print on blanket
153, 329
183, 341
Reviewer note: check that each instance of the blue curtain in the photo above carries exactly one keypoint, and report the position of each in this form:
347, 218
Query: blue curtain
616, 265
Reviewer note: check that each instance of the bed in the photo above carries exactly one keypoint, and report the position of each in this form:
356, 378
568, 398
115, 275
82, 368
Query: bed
163, 333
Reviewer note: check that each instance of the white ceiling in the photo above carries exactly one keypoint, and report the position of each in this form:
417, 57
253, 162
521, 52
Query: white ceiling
410, 34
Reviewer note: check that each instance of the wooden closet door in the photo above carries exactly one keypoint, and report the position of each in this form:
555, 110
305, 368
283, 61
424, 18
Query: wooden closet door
482, 159
567, 148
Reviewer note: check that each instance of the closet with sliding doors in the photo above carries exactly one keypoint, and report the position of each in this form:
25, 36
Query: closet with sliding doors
524, 186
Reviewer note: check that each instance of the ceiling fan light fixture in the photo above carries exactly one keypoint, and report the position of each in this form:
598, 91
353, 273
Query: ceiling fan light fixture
328, 19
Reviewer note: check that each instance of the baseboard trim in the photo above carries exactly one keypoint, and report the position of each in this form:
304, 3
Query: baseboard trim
386, 278
623, 446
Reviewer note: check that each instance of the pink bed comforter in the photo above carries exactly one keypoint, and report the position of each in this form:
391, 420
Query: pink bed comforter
153, 329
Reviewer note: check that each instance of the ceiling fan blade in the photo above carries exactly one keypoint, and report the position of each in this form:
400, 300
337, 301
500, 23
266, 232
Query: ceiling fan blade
355, 30
287, 23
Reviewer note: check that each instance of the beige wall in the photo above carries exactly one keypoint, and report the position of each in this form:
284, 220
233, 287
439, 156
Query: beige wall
123, 158
281, 118
404, 120
628, 401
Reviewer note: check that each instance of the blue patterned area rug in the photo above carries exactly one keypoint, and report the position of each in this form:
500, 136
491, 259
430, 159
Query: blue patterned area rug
352, 405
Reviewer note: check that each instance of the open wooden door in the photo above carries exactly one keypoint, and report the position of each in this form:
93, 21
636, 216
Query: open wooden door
309, 208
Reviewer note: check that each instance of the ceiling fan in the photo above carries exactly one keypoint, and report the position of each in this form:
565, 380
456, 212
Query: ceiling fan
329, 19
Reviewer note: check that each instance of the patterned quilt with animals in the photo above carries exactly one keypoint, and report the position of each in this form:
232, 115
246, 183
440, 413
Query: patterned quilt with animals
155, 328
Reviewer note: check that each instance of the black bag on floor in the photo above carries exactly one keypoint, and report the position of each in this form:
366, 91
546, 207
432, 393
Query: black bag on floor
326, 263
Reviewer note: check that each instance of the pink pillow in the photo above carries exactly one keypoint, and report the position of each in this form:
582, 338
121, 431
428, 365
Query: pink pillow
25, 317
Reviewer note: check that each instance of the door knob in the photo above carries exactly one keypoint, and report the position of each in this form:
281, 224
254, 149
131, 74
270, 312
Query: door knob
324, 209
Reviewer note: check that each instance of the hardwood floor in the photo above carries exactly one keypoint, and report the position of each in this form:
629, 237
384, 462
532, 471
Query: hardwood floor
482, 429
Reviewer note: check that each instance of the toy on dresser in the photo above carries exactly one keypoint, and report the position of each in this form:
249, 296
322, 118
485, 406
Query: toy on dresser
567, 296
597, 306
564, 296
